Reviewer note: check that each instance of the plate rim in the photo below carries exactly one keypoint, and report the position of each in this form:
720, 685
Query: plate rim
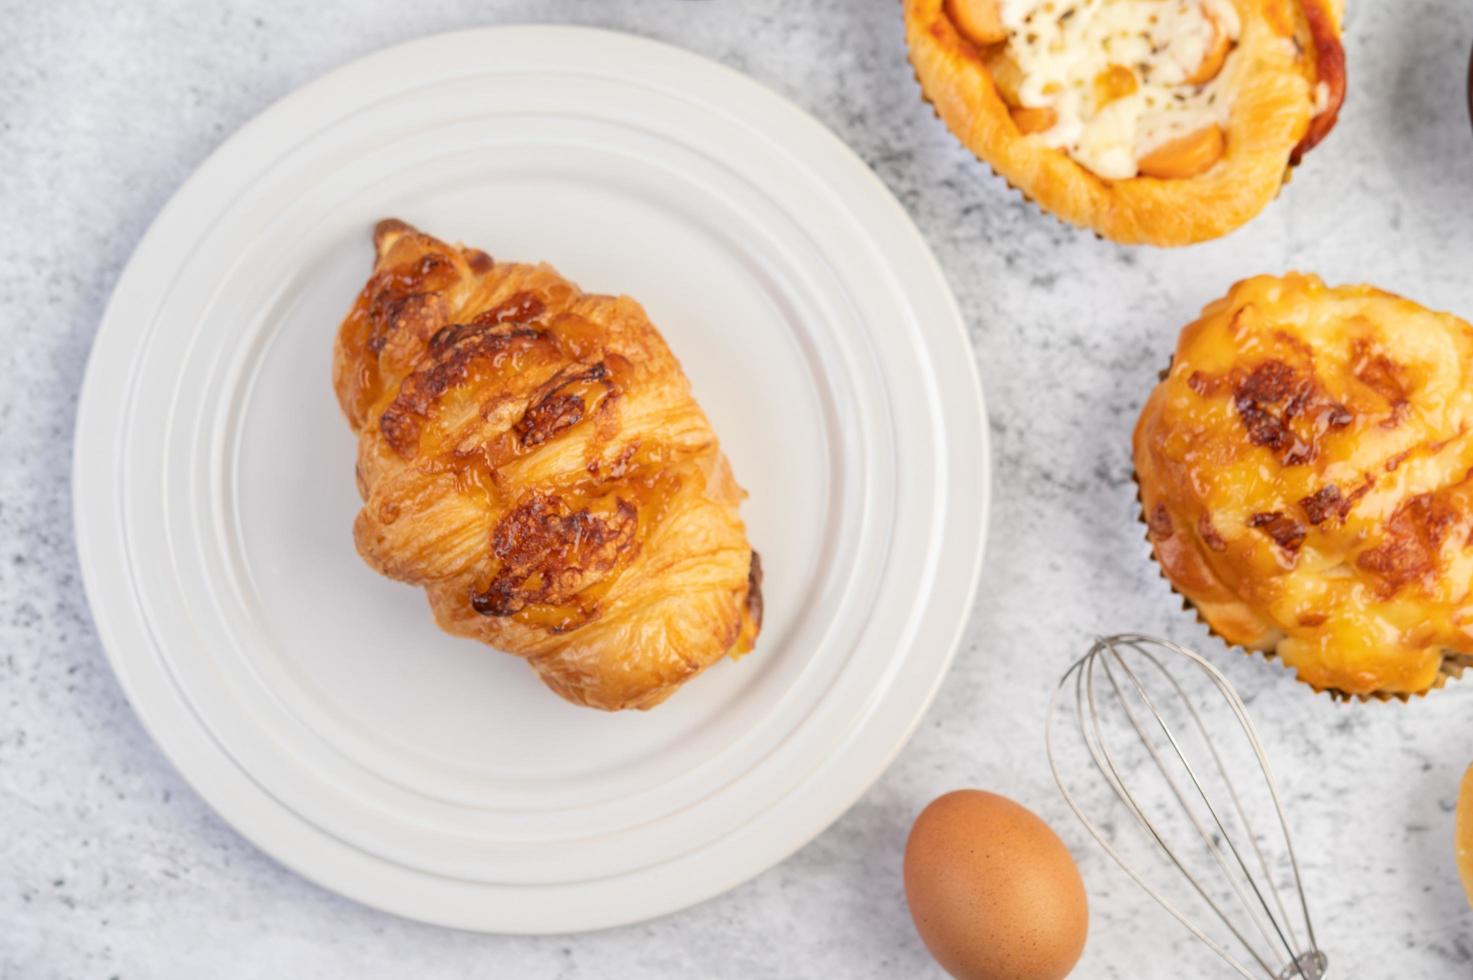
199, 764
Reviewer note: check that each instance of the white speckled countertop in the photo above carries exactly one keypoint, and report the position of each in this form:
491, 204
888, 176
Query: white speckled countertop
110, 866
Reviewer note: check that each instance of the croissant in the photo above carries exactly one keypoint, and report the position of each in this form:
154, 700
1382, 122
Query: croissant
1164, 122
532, 457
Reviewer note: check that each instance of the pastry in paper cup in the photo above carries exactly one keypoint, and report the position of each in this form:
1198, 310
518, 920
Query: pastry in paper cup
1166, 122
1305, 471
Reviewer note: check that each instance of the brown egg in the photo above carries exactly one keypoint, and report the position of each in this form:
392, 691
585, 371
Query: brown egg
994, 893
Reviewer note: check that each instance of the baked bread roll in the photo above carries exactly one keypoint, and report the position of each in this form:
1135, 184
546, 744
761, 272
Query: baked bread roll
1164, 122
1306, 474
532, 457
1464, 833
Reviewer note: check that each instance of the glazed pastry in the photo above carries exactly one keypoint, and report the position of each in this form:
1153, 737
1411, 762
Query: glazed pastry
1464, 833
1306, 476
1164, 122
532, 456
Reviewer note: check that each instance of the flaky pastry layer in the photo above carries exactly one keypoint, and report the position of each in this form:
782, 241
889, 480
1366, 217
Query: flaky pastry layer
532, 457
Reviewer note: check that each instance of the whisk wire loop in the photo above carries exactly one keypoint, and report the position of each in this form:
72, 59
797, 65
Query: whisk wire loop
1104, 761
1253, 838
1212, 809
1177, 793
1104, 678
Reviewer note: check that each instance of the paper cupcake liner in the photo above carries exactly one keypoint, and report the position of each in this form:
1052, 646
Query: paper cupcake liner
986, 165
1452, 666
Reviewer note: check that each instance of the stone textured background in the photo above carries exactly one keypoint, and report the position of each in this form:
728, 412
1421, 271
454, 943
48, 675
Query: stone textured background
111, 867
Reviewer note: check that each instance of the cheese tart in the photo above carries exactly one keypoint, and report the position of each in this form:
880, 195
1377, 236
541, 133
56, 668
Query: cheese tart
1164, 122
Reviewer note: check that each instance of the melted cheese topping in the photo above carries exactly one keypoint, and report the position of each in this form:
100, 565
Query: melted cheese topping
1063, 47
1321, 98
1306, 470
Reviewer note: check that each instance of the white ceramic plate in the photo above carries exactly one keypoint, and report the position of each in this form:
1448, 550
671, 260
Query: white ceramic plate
313, 703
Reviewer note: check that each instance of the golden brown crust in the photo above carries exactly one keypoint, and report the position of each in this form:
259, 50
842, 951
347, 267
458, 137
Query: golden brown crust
1464, 833
1285, 43
1306, 472
532, 456
1322, 25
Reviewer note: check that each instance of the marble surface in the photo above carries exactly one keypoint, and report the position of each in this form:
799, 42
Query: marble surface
110, 866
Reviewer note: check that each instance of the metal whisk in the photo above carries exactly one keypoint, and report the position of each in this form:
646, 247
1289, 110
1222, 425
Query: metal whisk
1139, 723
